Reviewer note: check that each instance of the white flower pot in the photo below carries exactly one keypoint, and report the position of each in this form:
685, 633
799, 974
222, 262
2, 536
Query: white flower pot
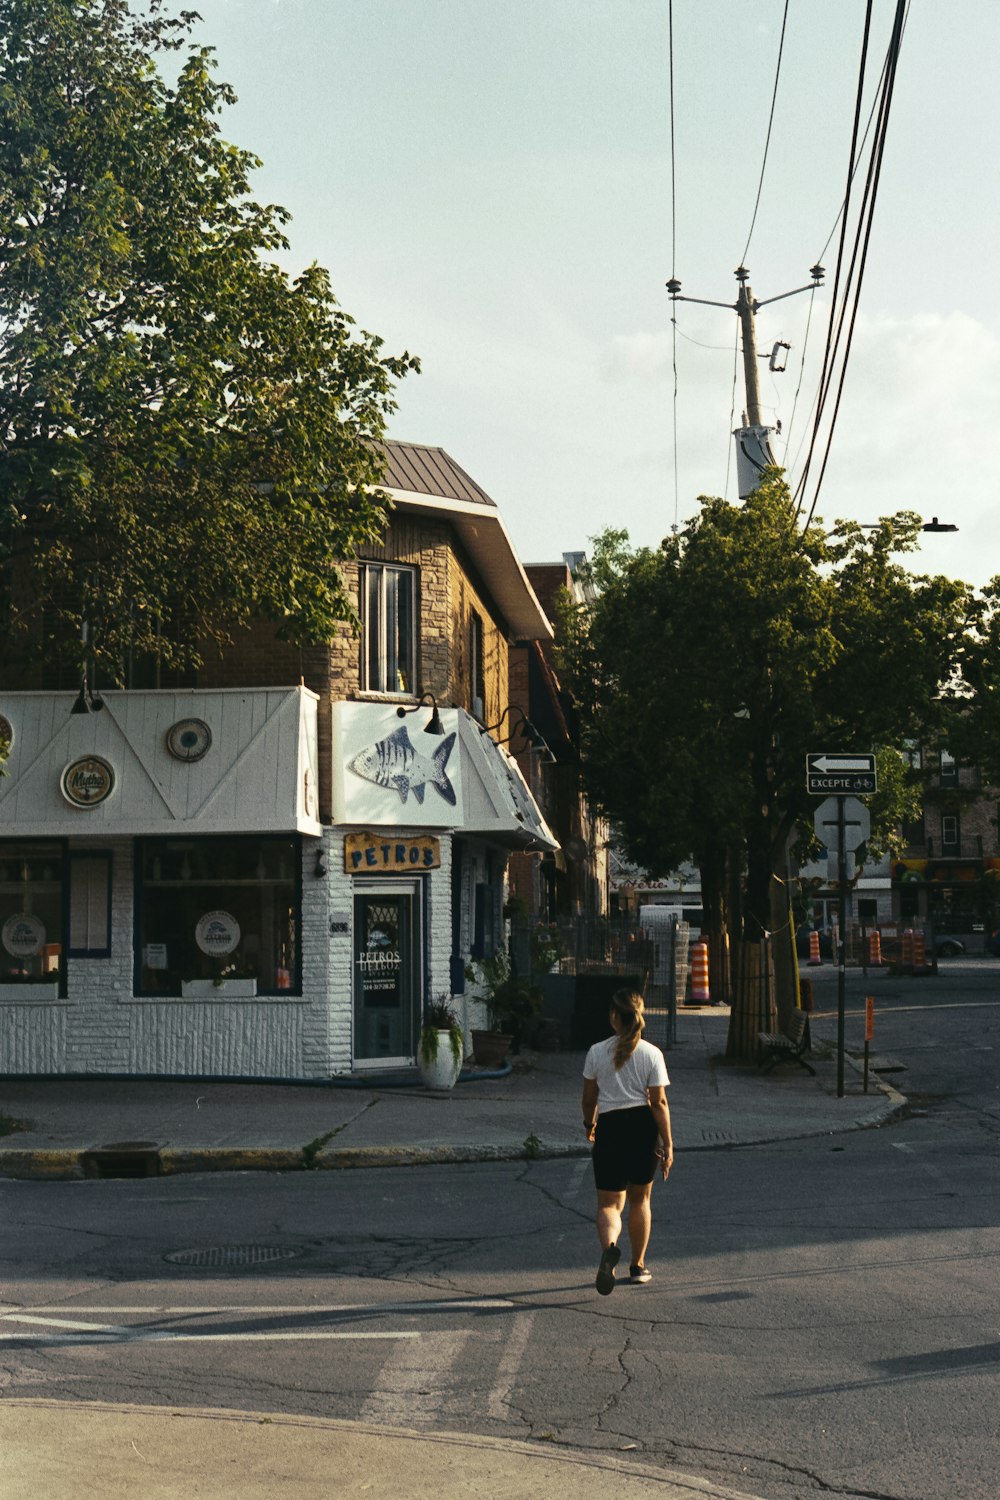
229, 989
46, 989
441, 1073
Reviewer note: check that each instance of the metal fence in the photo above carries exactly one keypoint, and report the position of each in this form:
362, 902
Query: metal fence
576, 963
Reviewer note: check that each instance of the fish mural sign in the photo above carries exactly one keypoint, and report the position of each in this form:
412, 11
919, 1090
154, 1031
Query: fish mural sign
390, 772
395, 763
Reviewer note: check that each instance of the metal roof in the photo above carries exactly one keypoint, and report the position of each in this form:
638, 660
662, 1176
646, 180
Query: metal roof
429, 471
429, 481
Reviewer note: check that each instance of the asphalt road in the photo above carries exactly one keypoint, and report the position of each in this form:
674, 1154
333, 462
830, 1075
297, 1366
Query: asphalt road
824, 1316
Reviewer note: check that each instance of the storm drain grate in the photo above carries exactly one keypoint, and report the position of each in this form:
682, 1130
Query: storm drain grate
234, 1255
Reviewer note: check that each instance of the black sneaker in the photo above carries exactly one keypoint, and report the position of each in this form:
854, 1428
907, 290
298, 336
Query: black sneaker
605, 1281
639, 1275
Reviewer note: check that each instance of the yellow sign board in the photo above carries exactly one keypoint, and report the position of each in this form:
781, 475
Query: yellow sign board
395, 854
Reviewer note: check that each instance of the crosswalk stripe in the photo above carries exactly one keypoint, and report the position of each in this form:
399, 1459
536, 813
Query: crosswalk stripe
498, 1402
409, 1388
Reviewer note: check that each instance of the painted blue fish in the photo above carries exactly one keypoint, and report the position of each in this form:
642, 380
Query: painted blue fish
394, 762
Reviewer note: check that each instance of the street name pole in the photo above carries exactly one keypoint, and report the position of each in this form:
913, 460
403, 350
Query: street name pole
842, 944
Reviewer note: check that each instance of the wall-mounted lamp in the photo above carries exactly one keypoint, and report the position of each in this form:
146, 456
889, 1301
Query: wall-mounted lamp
86, 701
433, 725
533, 737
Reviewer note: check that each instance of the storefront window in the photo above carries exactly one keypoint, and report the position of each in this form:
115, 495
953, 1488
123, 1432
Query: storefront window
31, 912
218, 916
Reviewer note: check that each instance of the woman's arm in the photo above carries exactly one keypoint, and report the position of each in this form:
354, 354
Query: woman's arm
661, 1114
589, 1106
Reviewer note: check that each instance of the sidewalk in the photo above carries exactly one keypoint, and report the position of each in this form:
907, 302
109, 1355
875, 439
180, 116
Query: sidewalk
67, 1451
196, 1126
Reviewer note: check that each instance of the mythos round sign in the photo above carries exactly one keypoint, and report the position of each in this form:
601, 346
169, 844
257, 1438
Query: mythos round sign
88, 781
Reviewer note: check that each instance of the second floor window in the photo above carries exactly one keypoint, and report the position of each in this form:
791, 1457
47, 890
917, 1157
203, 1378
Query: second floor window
388, 615
950, 838
477, 670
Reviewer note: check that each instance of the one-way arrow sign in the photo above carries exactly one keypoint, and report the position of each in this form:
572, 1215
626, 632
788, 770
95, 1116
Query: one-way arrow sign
827, 772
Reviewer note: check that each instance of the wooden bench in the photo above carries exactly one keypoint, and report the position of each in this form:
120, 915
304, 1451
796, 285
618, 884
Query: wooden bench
789, 1045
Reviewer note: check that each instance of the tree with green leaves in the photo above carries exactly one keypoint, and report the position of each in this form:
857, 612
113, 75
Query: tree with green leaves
708, 669
186, 432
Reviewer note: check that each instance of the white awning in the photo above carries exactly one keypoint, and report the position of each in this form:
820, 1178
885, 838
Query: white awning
498, 804
223, 761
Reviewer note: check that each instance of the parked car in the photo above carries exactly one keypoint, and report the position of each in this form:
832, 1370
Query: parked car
947, 945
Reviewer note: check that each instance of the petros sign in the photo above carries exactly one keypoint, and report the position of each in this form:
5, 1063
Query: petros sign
365, 853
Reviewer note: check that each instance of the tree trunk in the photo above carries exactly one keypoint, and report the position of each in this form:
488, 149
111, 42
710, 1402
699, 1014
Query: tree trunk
753, 999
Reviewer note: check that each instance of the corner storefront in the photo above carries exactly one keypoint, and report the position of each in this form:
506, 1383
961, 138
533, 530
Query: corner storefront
427, 809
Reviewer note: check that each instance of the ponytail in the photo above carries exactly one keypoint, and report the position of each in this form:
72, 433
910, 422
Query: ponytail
628, 1007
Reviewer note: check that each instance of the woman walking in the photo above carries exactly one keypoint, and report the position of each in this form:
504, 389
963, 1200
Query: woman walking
626, 1118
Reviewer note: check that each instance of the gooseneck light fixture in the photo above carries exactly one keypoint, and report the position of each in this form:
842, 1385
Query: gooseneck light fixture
533, 737
433, 725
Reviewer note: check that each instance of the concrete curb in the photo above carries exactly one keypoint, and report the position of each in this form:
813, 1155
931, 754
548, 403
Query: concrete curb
30, 1165
42, 1165
423, 1156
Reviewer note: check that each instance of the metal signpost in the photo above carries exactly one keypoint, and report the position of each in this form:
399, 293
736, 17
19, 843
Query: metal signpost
843, 823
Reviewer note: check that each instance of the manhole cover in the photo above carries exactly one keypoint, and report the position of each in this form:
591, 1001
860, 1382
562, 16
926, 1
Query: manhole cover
234, 1255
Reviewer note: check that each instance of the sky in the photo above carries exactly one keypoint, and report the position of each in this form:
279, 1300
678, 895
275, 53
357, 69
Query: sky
489, 183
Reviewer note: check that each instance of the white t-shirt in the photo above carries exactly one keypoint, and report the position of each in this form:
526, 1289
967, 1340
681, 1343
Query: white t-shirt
624, 1087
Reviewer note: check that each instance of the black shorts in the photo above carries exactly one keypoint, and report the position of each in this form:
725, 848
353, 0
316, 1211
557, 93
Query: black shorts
625, 1149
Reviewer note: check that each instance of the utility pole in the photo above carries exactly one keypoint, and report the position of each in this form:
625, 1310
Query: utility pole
745, 307
753, 450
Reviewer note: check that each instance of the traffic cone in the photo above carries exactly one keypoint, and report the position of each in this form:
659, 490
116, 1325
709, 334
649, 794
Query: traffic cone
814, 955
699, 975
918, 948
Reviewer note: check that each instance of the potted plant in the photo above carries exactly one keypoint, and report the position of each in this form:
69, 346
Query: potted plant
512, 1003
441, 1049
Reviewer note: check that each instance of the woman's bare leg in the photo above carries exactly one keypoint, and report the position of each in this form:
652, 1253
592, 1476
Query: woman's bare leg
640, 1220
609, 1217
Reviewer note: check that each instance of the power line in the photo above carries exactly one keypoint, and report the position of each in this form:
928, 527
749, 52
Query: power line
718, 348
767, 143
874, 174
829, 346
864, 138
673, 254
844, 313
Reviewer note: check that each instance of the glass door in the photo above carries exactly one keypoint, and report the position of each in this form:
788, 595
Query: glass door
388, 969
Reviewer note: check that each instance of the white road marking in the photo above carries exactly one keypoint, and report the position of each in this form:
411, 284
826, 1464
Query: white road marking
53, 1328
158, 1335
453, 1304
60, 1323
576, 1178
408, 1388
498, 1402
